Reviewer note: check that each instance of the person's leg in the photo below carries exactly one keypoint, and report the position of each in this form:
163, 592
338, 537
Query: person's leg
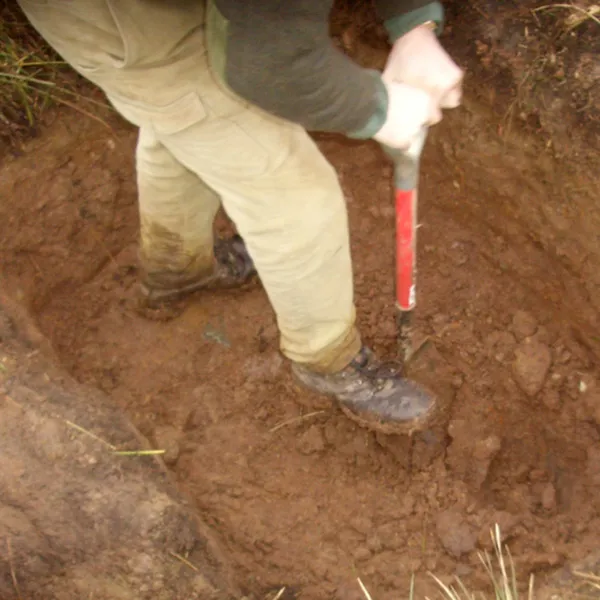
177, 248
140, 72
286, 201
287, 204
176, 217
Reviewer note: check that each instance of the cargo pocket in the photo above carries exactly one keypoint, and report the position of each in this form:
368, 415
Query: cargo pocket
178, 115
164, 120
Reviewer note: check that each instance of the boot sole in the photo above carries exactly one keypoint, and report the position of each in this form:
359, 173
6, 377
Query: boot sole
169, 305
424, 422
162, 297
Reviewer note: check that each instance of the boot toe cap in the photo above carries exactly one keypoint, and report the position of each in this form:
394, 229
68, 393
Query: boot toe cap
401, 408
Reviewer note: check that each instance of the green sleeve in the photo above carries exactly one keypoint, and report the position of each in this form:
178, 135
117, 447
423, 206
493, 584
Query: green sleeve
279, 56
400, 16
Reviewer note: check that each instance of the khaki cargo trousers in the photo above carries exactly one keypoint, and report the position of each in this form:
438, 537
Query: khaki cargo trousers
160, 63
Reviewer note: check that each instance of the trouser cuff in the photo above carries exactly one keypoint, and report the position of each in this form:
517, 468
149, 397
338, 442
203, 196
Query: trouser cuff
335, 357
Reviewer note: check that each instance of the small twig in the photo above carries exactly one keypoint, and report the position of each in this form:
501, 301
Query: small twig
296, 420
12, 569
185, 561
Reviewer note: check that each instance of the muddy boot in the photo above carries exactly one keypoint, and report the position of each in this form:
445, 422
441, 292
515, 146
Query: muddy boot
233, 268
374, 394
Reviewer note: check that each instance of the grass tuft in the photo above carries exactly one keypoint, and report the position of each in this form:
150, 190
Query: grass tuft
32, 77
501, 573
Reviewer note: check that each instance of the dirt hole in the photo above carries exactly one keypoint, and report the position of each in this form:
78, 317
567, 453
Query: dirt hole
510, 340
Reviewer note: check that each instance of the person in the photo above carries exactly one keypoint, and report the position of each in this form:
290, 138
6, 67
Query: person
223, 93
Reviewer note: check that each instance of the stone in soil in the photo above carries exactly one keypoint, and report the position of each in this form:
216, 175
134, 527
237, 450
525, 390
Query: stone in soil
548, 497
531, 365
167, 439
507, 523
523, 325
484, 452
455, 534
500, 344
312, 441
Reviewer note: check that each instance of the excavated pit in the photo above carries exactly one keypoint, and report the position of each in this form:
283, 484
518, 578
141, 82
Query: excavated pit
508, 317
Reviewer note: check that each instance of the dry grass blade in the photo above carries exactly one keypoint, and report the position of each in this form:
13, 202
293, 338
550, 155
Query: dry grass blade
507, 590
590, 579
580, 14
279, 593
83, 111
587, 576
184, 560
530, 588
296, 420
91, 435
110, 446
448, 590
364, 590
13, 573
502, 575
138, 452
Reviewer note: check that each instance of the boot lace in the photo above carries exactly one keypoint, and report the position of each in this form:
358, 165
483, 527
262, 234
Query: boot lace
370, 367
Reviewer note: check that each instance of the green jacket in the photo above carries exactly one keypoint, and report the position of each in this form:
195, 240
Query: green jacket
278, 55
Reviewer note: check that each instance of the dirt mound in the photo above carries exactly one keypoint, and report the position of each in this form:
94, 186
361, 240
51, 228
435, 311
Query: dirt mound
78, 521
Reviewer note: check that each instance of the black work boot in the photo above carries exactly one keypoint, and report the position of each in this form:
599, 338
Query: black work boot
233, 268
374, 394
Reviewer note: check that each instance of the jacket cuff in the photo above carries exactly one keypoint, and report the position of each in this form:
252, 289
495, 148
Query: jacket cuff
378, 118
398, 26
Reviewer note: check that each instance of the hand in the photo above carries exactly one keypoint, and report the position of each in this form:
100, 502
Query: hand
409, 111
418, 59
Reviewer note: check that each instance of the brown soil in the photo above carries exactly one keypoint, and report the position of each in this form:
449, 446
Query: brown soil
508, 317
77, 520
